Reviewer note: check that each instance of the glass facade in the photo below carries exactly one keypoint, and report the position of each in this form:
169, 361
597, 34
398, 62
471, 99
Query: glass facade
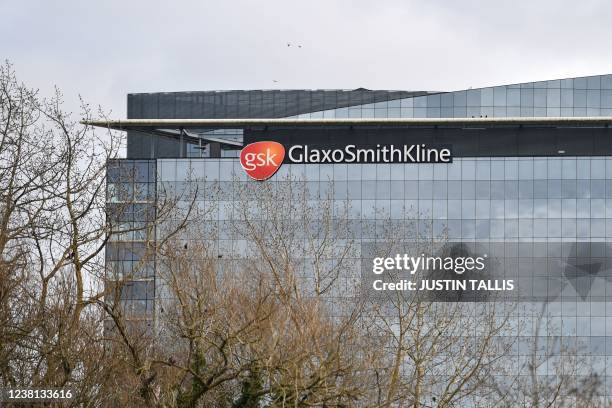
130, 202
573, 97
547, 209
544, 204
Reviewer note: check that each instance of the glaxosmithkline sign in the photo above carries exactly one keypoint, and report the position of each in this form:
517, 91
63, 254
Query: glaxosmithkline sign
261, 160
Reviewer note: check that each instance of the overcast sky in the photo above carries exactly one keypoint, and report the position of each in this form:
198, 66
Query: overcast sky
106, 49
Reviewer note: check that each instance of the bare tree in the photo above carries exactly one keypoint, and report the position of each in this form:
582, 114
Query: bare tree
439, 350
555, 373
52, 234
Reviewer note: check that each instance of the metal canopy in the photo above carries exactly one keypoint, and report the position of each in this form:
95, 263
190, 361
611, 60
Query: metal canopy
166, 124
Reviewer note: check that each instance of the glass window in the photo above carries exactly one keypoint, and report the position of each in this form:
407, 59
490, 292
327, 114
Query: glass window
483, 190
598, 228
468, 229
540, 169
553, 98
454, 170
446, 99
340, 172
468, 189
411, 189
440, 171
141, 192
397, 209
598, 168
525, 169
568, 228
368, 190
383, 189
525, 228
554, 188
606, 82
511, 190
468, 209
498, 189
482, 229
568, 188
454, 189
460, 112
486, 97
526, 208
527, 97
439, 209
568, 207
593, 98
425, 208
580, 83
567, 83
460, 99
454, 209
473, 97
539, 98
525, 189
411, 171
594, 82
583, 169
340, 190
497, 228
425, 171
540, 228
598, 208
554, 208
511, 229
482, 209
499, 96
580, 98
397, 171
540, 189
497, 169
354, 190
583, 189
514, 97
433, 101
483, 170
439, 190
540, 208
499, 112
454, 228
425, 189
554, 228
468, 169
583, 228
554, 168
511, 208
511, 170
420, 102
567, 98
167, 170
606, 99
497, 209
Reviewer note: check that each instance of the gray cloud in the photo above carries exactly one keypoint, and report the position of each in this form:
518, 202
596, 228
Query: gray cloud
104, 50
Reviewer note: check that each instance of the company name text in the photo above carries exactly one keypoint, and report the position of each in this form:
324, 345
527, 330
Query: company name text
416, 153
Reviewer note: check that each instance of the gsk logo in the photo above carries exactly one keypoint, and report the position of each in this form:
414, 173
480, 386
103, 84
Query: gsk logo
261, 160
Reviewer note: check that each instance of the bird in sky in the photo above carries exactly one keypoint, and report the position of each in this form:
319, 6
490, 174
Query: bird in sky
275, 80
288, 44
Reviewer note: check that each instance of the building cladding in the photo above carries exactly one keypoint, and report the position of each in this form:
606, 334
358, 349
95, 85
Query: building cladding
544, 192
